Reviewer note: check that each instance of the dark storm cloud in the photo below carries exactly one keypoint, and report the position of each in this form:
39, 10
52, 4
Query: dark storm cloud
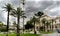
15, 3
31, 7
56, 11
42, 5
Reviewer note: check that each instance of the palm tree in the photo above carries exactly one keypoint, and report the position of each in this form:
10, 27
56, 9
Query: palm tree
17, 13
44, 22
8, 8
47, 24
23, 22
52, 21
50, 25
39, 14
56, 25
34, 20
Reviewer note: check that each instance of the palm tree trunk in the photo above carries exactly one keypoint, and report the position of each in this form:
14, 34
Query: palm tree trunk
47, 28
39, 20
7, 23
34, 28
52, 26
18, 29
23, 25
44, 27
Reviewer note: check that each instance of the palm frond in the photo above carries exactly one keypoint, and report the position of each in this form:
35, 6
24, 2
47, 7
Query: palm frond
24, 16
8, 7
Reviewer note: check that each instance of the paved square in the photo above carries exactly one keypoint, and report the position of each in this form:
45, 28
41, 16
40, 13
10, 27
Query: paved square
53, 34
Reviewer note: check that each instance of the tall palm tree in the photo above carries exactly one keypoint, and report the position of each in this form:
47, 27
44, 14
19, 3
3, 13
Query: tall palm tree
39, 14
8, 8
47, 24
50, 25
55, 25
34, 20
44, 22
23, 22
17, 13
52, 21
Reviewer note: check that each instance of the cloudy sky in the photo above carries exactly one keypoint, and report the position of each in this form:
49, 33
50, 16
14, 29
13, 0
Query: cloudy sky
50, 7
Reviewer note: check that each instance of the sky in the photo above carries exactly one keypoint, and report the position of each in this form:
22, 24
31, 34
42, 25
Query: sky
49, 7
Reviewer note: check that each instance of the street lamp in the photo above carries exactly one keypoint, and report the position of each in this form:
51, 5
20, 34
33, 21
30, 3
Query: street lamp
23, 2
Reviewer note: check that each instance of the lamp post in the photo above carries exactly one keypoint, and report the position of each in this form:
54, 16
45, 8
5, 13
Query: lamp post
23, 4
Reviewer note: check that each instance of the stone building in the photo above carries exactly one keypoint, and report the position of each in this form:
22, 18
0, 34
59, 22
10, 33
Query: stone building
56, 22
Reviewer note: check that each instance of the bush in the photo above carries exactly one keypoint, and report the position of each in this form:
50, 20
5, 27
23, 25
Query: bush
3, 29
28, 26
41, 28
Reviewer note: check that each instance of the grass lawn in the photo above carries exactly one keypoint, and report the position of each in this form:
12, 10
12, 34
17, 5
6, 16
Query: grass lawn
20, 35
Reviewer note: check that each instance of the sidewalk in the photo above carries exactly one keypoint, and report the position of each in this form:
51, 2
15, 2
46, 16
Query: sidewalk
53, 34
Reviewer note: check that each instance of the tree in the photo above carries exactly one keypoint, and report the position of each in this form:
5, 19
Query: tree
3, 29
8, 8
44, 22
17, 13
34, 20
52, 23
14, 24
47, 24
23, 22
1, 24
39, 14
29, 25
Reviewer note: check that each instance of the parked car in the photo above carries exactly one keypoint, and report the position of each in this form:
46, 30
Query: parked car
58, 30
